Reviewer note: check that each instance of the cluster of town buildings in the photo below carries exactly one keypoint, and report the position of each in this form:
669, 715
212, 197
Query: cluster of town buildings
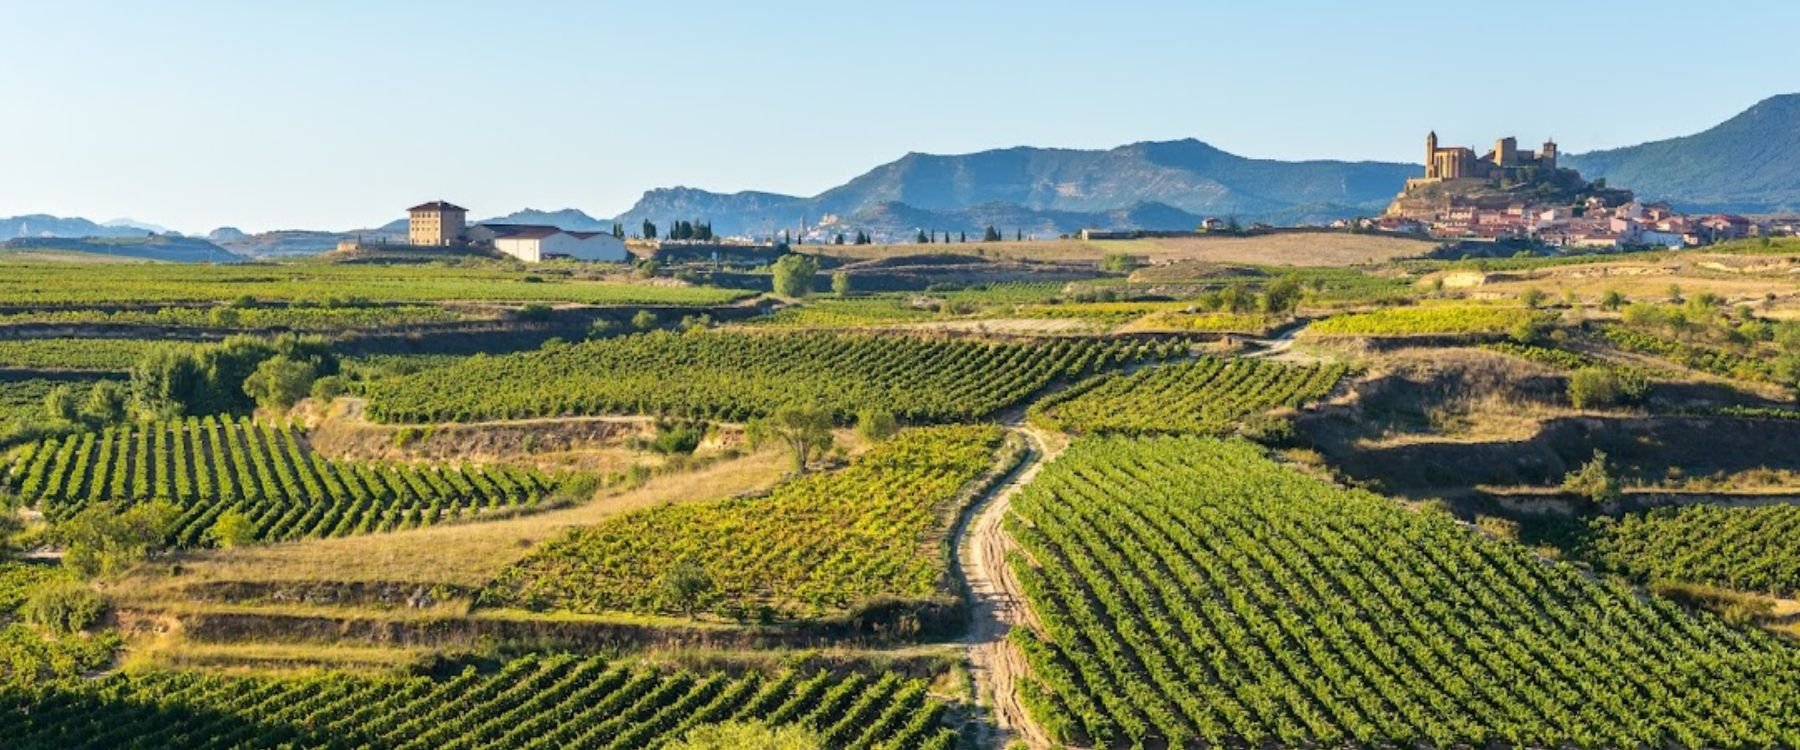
445, 224
1592, 224
1507, 194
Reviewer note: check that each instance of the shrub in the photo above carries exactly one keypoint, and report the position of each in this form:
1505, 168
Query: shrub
231, 529
1594, 387
63, 606
102, 540
1118, 263
840, 284
876, 424
1593, 481
734, 735
644, 320
536, 313
327, 389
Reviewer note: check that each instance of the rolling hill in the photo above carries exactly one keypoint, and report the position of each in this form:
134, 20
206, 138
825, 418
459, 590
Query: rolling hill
1747, 164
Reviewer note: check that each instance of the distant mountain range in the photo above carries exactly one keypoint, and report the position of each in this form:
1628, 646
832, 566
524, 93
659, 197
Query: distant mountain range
1747, 164
1151, 185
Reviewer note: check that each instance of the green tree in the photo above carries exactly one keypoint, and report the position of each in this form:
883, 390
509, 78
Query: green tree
231, 529
746, 735
1533, 297
991, 235
922, 238
1612, 300
840, 284
279, 383
644, 320
103, 540
804, 430
649, 230
794, 275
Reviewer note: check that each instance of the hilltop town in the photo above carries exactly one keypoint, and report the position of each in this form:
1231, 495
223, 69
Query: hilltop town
1510, 195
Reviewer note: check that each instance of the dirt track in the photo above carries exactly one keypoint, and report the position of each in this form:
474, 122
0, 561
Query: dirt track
997, 604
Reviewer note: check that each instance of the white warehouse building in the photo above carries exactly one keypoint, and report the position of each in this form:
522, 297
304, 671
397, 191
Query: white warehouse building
534, 243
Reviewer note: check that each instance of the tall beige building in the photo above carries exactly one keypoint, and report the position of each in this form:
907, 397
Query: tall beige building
436, 223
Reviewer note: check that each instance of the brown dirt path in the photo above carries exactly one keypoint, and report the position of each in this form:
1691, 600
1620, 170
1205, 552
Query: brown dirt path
997, 603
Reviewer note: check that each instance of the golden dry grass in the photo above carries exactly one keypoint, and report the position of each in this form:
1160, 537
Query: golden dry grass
1737, 279
466, 555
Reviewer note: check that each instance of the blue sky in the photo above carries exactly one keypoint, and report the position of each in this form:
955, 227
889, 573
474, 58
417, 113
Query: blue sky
338, 114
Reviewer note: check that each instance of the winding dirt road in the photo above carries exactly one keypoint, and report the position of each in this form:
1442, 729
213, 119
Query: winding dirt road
997, 603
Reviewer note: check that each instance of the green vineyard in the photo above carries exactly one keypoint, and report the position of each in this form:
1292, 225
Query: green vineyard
556, 701
63, 285
1749, 549
821, 543
1427, 320
736, 376
1208, 395
207, 466
1194, 592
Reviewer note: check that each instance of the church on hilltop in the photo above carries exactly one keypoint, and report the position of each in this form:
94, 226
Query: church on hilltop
1503, 164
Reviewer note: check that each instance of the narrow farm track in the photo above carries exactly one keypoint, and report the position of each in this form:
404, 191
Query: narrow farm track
997, 604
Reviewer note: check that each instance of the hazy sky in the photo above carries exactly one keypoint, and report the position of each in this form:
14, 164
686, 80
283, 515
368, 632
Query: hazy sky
339, 113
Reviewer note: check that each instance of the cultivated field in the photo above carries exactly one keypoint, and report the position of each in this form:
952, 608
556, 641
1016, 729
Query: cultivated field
1296, 490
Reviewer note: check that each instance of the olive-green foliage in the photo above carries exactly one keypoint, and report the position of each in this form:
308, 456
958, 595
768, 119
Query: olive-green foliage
1598, 387
279, 382
209, 380
105, 404
1593, 481
103, 539
794, 274
876, 424
743, 735
63, 606
1118, 263
231, 529
841, 284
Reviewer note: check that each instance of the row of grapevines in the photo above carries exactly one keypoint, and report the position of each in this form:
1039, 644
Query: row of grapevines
288, 317
116, 355
206, 466
1425, 320
821, 543
1706, 359
55, 285
736, 376
536, 701
1749, 549
1193, 591
1207, 395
